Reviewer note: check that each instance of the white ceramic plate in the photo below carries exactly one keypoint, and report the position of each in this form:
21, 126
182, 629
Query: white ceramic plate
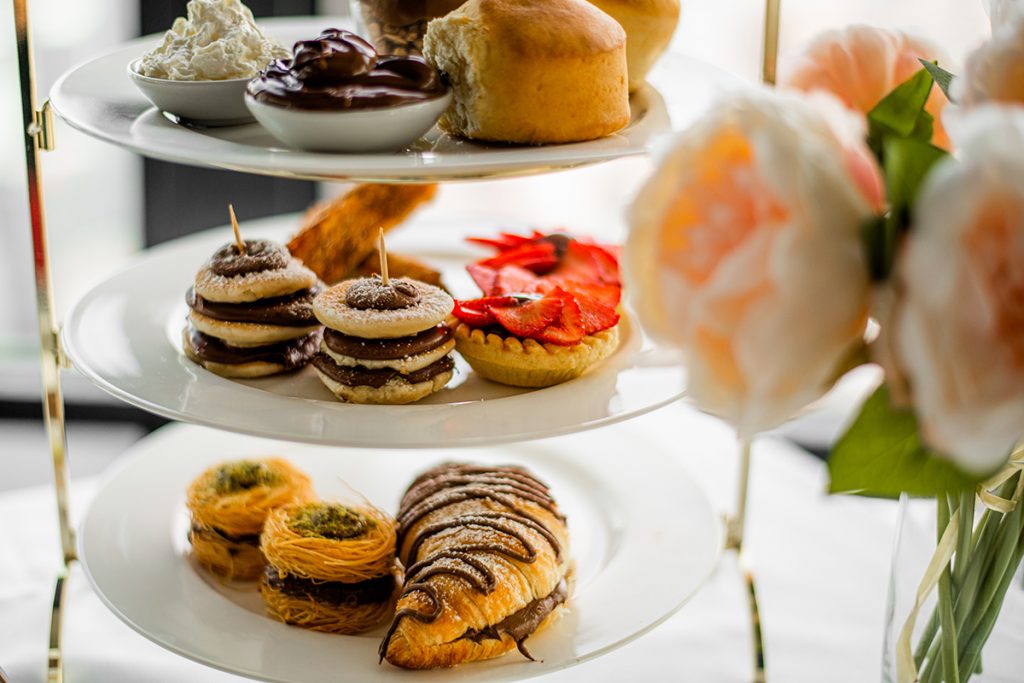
98, 98
125, 335
644, 539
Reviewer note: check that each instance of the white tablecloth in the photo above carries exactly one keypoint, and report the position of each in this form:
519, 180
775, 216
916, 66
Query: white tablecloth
821, 561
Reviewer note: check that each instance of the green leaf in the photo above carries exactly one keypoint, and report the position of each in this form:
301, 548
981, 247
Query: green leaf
900, 113
907, 163
882, 455
943, 78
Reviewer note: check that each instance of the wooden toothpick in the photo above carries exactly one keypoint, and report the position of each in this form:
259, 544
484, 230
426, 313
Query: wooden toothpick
383, 258
238, 234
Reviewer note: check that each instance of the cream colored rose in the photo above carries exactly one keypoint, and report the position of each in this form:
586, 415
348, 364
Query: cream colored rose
960, 333
862, 64
1002, 12
995, 71
744, 250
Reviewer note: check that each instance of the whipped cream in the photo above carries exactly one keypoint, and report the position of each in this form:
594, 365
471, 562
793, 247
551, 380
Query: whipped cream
218, 40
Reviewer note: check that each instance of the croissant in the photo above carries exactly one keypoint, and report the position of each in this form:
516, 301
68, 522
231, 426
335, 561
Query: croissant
486, 553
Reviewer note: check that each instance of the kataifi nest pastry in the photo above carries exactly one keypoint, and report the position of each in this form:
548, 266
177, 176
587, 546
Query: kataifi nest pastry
228, 505
531, 72
486, 552
649, 25
251, 312
330, 566
384, 343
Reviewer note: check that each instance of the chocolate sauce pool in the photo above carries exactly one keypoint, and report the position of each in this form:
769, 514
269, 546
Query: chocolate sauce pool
340, 70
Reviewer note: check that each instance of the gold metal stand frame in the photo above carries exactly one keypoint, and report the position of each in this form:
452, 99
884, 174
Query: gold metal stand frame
37, 127
38, 131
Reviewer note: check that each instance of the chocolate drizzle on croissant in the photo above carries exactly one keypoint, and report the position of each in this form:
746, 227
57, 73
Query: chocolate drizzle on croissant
502, 527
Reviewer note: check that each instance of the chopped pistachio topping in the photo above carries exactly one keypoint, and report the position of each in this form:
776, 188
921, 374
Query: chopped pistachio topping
242, 476
329, 520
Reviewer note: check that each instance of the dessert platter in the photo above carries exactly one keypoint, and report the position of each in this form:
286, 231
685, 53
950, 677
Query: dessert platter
99, 99
126, 336
286, 562
621, 542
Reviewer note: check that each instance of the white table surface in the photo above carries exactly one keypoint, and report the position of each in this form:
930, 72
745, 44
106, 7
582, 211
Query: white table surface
822, 564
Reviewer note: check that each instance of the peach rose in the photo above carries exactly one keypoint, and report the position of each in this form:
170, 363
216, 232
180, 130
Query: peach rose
862, 64
995, 71
960, 324
745, 250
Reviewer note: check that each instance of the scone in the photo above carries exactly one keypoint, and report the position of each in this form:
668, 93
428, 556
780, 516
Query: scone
330, 567
649, 26
531, 72
384, 343
486, 552
251, 313
228, 505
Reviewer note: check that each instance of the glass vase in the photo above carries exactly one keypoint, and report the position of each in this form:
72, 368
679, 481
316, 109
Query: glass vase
915, 543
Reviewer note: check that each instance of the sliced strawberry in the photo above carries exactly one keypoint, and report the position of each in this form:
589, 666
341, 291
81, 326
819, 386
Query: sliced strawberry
477, 312
539, 257
529, 318
595, 315
505, 240
512, 279
588, 263
484, 277
610, 295
568, 329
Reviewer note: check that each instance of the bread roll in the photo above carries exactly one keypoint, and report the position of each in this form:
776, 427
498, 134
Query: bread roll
649, 26
531, 72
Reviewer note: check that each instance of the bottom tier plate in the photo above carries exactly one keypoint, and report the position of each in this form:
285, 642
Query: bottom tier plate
644, 540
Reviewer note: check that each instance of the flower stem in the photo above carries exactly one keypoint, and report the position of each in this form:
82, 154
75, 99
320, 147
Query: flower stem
963, 550
950, 663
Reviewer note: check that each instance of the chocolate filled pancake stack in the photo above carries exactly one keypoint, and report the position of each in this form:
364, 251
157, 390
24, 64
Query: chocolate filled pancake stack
385, 340
252, 311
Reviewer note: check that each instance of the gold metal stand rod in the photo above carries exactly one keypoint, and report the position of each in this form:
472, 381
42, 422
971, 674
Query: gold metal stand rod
770, 55
735, 527
37, 130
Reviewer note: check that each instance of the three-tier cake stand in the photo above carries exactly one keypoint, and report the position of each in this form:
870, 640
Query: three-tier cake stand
97, 98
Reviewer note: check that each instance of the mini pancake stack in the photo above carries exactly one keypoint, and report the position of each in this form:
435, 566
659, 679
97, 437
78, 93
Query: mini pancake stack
385, 340
251, 311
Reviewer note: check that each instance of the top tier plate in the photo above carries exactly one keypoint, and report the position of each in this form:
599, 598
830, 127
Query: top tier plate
98, 98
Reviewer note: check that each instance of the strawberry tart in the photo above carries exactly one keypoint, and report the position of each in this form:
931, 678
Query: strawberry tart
549, 310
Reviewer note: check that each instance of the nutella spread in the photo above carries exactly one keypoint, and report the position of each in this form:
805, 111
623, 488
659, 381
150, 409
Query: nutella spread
293, 310
340, 70
387, 349
259, 255
371, 293
290, 354
370, 592
362, 377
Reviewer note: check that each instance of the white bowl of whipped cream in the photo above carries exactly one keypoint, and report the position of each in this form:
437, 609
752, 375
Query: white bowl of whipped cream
199, 70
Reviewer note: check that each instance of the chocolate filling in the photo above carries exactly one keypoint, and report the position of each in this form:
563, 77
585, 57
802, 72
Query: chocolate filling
519, 625
291, 354
259, 255
362, 377
370, 592
248, 539
372, 294
293, 310
387, 349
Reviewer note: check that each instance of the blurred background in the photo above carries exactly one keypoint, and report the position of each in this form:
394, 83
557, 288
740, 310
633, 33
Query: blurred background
104, 204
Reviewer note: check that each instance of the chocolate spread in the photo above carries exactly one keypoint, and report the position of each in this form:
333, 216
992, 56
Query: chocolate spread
371, 293
211, 532
362, 377
387, 349
371, 592
340, 70
290, 354
259, 255
451, 484
293, 310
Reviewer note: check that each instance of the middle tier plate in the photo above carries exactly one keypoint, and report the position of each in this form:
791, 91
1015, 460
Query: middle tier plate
125, 336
